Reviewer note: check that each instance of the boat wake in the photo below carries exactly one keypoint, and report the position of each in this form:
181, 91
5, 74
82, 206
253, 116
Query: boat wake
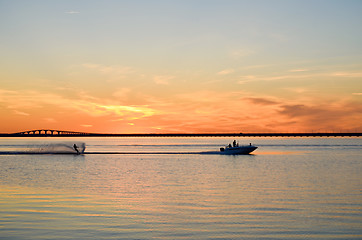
79, 148
110, 153
162, 153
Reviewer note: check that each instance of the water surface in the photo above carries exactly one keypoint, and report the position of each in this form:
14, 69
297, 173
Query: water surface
290, 188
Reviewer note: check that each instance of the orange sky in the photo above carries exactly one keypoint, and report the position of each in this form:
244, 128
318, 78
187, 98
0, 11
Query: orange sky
186, 66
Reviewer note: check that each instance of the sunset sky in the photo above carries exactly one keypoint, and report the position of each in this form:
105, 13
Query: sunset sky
193, 66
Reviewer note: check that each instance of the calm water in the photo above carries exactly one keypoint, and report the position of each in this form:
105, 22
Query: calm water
290, 188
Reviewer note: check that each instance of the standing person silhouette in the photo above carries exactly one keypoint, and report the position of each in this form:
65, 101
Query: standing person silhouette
76, 148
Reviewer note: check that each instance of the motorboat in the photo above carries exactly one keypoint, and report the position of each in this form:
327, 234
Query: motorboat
235, 149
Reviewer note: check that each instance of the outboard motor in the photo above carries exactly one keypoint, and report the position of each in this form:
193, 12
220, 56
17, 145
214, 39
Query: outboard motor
222, 149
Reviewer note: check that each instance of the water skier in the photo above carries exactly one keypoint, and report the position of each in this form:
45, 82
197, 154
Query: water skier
76, 148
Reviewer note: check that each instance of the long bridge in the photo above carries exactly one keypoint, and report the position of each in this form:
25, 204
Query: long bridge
62, 133
46, 133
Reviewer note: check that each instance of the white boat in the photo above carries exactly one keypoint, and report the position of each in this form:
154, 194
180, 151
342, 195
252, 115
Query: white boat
236, 149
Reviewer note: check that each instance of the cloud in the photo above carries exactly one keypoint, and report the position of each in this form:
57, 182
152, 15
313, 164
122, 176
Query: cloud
52, 120
246, 79
108, 69
113, 71
199, 111
237, 112
358, 94
226, 72
261, 101
298, 70
280, 77
21, 113
72, 12
329, 117
298, 74
17, 100
296, 89
163, 80
239, 53
207, 96
347, 74
122, 94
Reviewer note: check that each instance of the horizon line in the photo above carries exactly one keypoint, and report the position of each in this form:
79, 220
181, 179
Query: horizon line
62, 133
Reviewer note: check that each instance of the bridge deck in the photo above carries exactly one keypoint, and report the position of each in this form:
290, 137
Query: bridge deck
56, 133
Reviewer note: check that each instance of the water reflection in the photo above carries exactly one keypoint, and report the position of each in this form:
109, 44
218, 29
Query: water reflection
310, 194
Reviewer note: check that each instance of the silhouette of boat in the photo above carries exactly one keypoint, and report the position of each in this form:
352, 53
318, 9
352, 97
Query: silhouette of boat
236, 149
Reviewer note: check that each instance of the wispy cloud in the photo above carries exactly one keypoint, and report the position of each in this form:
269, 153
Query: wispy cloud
272, 78
226, 72
298, 74
163, 80
113, 71
18, 100
261, 101
296, 89
246, 79
332, 116
51, 120
21, 113
346, 74
72, 12
122, 93
205, 96
235, 111
240, 53
298, 70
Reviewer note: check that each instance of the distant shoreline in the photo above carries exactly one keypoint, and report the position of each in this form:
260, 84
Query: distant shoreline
47, 133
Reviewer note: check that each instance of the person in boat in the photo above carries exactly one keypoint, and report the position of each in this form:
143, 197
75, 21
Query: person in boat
234, 143
76, 148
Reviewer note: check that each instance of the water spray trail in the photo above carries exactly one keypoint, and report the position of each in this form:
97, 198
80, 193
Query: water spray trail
48, 148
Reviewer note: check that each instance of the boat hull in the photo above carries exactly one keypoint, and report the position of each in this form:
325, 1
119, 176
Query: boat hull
237, 150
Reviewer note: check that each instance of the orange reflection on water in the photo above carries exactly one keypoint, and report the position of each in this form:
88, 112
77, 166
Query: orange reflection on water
280, 153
